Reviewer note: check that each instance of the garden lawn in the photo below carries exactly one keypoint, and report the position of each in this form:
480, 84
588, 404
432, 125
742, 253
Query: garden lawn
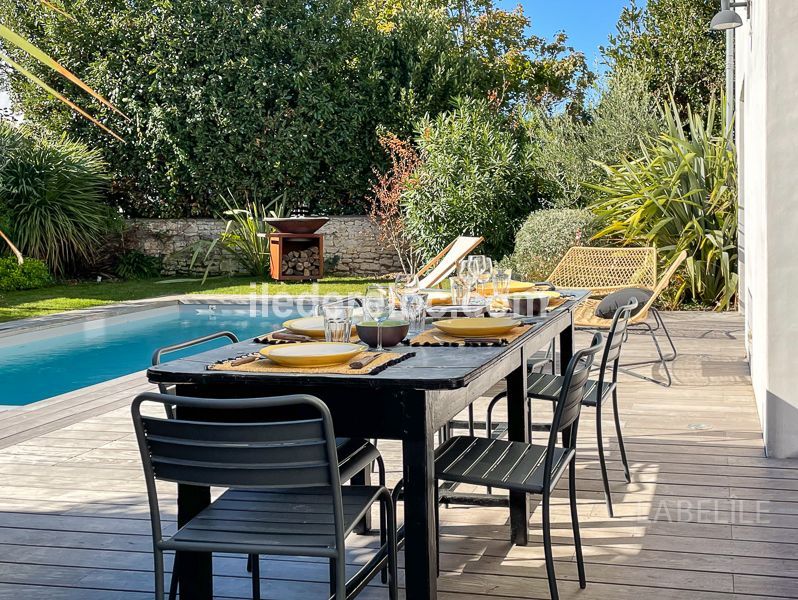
60, 298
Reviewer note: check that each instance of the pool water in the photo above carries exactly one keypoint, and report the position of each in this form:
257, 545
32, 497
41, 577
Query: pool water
62, 359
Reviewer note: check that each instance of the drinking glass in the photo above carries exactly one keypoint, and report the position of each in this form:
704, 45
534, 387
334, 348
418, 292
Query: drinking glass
337, 323
460, 291
501, 281
414, 308
378, 305
406, 283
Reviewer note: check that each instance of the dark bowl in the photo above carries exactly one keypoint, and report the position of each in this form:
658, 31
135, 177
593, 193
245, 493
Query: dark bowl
393, 332
298, 224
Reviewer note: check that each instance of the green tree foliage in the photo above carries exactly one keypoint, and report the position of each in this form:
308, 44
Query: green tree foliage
566, 147
475, 179
279, 96
681, 194
670, 43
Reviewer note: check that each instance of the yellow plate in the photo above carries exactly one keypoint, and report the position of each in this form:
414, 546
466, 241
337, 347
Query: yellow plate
515, 286
312, 354
476, 326
310, 326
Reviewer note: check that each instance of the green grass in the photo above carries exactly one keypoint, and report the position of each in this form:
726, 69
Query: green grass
59, 298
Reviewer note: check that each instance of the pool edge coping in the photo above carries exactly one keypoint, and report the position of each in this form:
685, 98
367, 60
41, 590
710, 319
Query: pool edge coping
31, 324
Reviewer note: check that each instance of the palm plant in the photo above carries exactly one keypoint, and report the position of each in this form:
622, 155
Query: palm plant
681, 194
246, 233
52, 193
17, 41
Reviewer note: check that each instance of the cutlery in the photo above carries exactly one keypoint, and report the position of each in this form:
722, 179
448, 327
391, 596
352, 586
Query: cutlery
291, 337
244, 360
363, 362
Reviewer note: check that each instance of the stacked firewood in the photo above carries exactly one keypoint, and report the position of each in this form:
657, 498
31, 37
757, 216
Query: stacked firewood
302, 262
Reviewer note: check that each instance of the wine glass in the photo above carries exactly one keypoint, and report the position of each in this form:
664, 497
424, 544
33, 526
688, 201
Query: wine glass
476, 267
465, 275
378, 305
486, 273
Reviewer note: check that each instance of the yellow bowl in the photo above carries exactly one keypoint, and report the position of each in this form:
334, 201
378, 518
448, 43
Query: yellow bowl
310, 326
437, 297
476, 326
312, 354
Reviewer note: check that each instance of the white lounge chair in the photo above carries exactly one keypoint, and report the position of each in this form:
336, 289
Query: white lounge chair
440, 267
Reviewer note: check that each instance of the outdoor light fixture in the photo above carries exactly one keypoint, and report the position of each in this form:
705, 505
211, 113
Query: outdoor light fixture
728, 20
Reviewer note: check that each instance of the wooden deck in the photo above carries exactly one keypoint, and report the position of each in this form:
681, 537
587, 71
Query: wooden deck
707, 517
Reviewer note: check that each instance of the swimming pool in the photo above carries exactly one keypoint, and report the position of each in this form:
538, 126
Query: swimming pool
46, 363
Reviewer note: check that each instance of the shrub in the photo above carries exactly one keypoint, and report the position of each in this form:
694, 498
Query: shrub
134, 264
29, 275
681, 194
52, 198
474, 179
546, 236
387, 212
566, 146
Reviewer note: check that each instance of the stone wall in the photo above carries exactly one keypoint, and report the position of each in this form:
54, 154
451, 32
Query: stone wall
350, 245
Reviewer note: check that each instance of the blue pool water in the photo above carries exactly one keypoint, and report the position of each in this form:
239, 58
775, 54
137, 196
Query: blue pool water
39, 368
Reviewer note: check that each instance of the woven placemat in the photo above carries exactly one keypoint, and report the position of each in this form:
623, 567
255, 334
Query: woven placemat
264, 365
268, 339
436, 337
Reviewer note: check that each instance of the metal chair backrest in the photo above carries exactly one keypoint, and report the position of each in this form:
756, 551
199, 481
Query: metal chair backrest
569, 405
229, 451
572, 393
617, 334
605, 270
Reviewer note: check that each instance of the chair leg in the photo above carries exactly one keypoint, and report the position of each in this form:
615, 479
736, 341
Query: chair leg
255, 577
580, 563
175, 578
383, 516
437, 529
662, 360
393, 568
661, 323
547, 547
471, 420
157, 556
619, 433
603, 462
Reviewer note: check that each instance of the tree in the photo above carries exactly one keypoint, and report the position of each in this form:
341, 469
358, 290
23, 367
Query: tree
669, 42
275, 97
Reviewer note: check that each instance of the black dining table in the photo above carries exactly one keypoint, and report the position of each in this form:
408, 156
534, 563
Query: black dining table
409, 401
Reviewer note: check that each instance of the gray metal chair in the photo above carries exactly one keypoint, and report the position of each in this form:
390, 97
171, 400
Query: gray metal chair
354, 455
292, 461
528, 468
543, 386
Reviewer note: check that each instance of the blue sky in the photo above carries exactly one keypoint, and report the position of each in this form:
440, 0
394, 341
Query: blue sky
587, 22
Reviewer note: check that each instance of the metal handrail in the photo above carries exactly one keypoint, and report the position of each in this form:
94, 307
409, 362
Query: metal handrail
156, 356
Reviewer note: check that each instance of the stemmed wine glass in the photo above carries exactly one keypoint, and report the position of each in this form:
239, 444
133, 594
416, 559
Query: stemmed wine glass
465, 276
378, 304
479, 267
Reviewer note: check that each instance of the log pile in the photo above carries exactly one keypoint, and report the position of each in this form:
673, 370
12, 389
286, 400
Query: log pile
302, 262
